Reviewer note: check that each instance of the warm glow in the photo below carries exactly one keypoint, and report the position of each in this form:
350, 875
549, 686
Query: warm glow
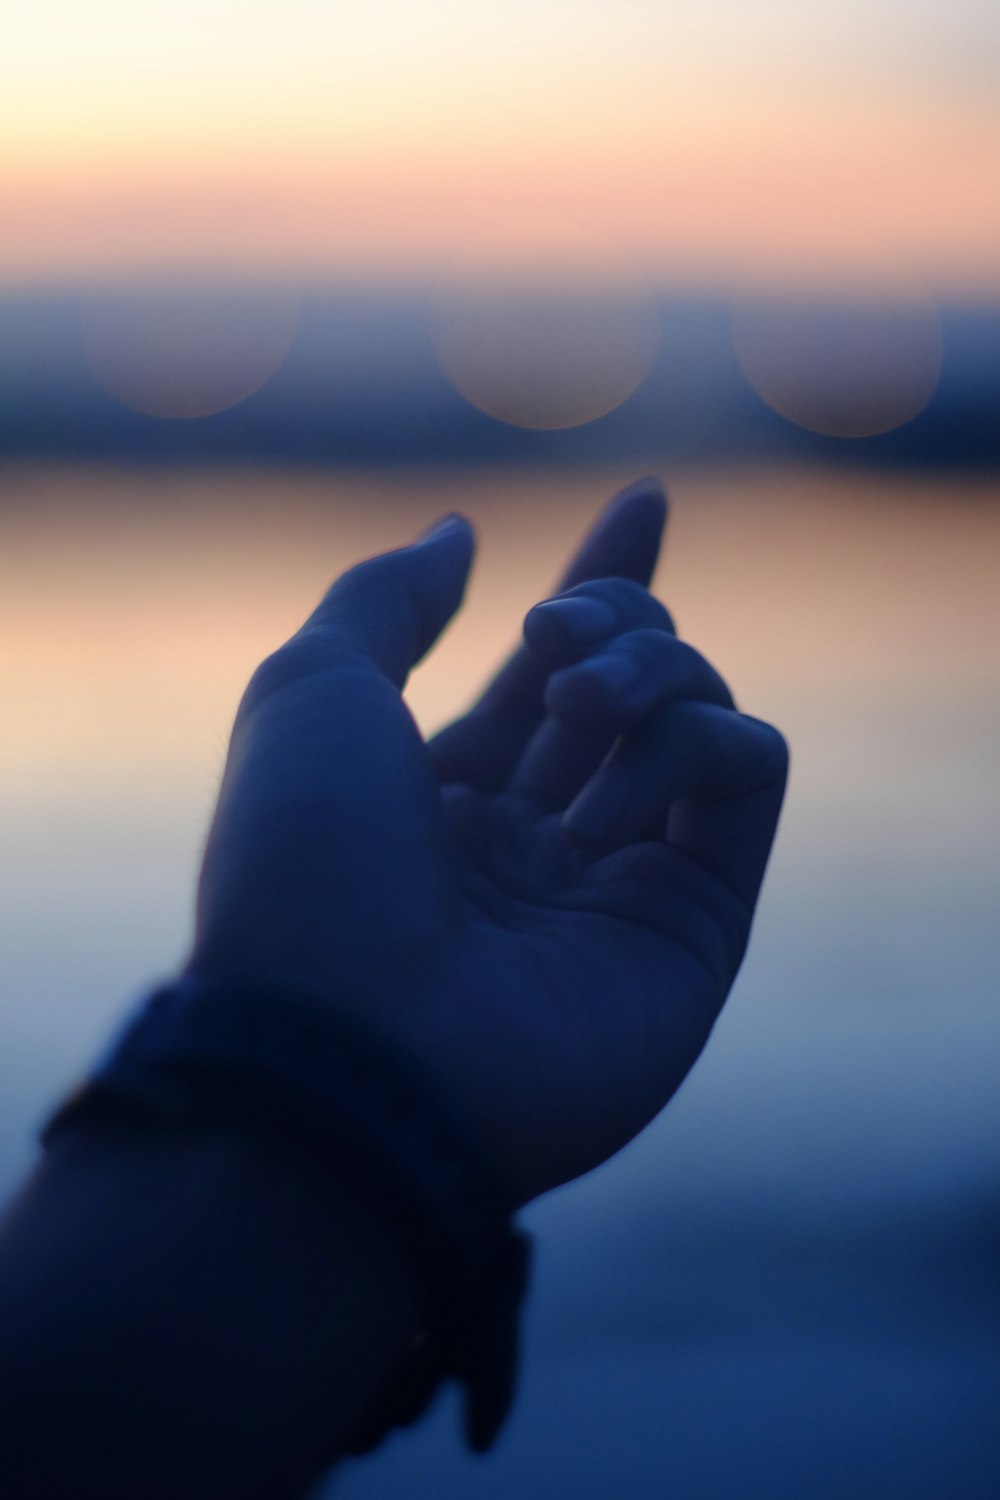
140, 603
389, 138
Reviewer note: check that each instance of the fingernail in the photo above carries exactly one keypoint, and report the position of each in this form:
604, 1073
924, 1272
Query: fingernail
587, 620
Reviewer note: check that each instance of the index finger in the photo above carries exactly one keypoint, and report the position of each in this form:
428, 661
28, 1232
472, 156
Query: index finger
482, 748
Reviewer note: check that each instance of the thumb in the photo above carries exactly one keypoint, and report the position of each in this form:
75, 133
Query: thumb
392, 608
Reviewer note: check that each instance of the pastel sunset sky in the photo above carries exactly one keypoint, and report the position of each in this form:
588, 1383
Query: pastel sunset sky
685, 140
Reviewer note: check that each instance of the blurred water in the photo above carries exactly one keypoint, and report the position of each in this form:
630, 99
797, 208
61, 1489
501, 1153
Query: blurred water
788, 1286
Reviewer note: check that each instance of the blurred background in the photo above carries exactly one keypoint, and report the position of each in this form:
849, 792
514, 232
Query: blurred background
280, 284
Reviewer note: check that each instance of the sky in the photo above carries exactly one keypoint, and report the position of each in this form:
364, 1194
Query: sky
689, 140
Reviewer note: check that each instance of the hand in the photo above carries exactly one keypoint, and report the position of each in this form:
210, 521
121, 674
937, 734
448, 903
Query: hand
545, 906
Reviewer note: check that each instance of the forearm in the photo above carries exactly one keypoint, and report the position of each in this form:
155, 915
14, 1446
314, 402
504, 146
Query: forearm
184, 1312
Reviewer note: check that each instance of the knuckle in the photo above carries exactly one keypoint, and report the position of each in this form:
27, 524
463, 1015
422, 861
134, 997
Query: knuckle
682, 667
351, 581
650, 643
306, 652
276, 670
682, 659
708, 680
368, 582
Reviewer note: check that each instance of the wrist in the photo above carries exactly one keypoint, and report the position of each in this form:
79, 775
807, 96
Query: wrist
194, 1309
427, 1029
282, 1064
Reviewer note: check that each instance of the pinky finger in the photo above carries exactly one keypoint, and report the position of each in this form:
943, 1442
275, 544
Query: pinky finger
710, 779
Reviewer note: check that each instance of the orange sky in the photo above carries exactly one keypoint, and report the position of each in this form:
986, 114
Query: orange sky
688, 140
140, 603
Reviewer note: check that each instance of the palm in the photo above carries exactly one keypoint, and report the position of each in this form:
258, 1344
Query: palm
584, 979
588, 976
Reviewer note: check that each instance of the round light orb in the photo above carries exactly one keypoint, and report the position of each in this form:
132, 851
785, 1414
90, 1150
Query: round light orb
851, 366
547, 359
183, 349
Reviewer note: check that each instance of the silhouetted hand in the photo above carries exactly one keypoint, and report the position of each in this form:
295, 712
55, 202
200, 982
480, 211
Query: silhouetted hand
545, 906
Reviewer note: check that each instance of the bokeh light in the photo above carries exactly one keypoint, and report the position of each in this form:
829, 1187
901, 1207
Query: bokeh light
852, 365
183, 349
548, 359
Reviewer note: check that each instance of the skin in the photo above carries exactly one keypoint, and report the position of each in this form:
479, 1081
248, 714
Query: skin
545, 906
566, 877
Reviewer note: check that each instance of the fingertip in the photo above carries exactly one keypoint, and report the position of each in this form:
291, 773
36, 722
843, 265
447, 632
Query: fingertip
446, 552
450, 527
563, 697
625, 540
639, 512
774, 747
645, 493
557, 630
542, 630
